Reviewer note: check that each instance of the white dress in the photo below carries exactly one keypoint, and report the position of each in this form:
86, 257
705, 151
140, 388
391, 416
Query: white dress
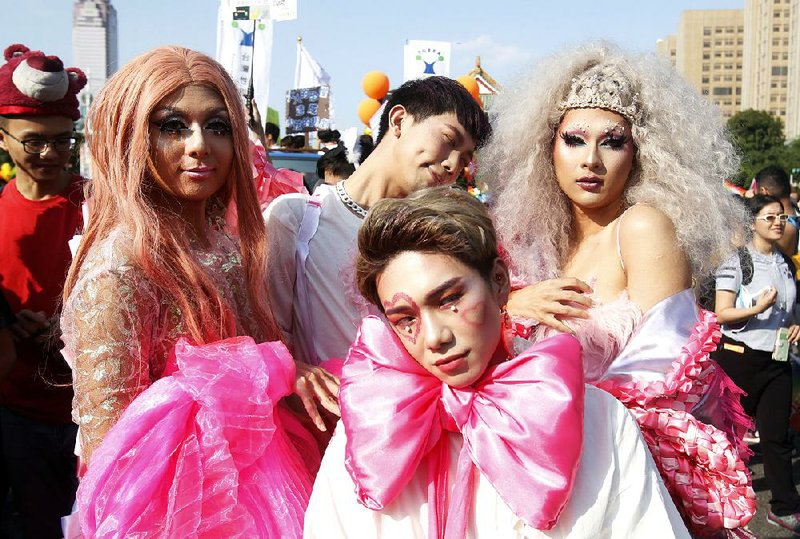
618, 492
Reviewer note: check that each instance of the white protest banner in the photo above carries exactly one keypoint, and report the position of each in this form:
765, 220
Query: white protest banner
244, 45
425, 59
283, 10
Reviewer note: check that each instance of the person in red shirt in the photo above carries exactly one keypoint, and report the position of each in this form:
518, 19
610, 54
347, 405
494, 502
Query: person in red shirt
40, 211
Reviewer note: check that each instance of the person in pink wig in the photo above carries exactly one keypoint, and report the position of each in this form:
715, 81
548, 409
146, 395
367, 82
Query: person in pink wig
166, 322
445, 432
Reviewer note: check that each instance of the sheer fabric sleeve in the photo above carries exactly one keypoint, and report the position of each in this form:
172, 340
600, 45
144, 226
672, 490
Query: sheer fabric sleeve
282, 218
109, 321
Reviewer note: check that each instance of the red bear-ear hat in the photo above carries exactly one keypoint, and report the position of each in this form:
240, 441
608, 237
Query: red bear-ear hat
32, 84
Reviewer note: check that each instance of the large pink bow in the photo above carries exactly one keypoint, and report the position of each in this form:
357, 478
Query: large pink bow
522, 425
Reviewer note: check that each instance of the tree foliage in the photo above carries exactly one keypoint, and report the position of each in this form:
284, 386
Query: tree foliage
759, 137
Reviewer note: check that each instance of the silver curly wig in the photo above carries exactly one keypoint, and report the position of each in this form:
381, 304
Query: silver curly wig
683, 154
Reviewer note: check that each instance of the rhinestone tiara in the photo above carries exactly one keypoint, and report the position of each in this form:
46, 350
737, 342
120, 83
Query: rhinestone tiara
604, 87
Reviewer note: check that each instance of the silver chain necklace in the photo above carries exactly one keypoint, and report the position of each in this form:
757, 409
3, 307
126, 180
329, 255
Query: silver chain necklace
351, 204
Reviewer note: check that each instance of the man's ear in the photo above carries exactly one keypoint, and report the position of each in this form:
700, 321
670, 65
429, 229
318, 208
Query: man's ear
396, 116
500, 281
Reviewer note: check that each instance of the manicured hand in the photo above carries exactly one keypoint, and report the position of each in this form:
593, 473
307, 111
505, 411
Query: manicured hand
551, 301
317, 387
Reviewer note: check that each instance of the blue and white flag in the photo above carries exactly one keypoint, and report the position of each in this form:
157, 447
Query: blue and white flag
244, 45
423, 59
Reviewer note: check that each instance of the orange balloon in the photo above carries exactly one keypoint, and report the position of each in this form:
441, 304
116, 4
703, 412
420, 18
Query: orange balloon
367, 109
375, 84
471, 85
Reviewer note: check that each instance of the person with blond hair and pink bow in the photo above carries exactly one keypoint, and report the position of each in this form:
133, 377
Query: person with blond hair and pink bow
447, 431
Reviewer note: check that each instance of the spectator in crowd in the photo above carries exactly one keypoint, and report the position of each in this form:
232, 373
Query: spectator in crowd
364, 147
271, 134
333, 166
329, 139
773, 180
39, 213
755, 301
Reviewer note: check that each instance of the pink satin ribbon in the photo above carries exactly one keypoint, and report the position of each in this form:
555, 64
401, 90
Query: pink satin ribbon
522, 426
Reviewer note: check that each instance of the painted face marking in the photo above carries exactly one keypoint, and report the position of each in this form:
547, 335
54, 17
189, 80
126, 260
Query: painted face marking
411, 331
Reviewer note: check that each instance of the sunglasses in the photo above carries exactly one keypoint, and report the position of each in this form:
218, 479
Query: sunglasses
770, 217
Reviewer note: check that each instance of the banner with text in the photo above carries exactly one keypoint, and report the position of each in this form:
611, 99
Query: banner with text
423, 59
307, 109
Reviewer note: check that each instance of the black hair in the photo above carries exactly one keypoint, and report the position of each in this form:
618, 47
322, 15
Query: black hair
423, 98
759, 202
273, 130
335, 161
365, 147
328, 135
774, 180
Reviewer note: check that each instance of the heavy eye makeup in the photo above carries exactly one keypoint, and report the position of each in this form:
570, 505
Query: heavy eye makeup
613, 139
172, 123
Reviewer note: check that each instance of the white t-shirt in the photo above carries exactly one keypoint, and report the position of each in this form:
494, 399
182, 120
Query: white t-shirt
618, 492
336, 306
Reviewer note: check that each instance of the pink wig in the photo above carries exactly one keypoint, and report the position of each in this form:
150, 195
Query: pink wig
120, 192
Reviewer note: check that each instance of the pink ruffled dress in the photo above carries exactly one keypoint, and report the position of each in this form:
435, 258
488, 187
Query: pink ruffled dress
658, 365
181, 440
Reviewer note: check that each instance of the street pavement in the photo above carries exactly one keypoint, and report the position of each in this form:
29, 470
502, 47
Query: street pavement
759, 524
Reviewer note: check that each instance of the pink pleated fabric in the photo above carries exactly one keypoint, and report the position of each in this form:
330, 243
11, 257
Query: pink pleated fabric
202, 452
522, 425
702, 464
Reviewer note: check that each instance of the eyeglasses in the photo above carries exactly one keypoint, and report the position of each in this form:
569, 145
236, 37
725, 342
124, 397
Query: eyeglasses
38, 146
770, 218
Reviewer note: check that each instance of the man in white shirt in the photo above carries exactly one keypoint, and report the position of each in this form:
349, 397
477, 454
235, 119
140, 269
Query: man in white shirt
428, 133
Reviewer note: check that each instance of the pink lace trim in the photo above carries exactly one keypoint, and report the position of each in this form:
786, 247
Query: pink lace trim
700, 463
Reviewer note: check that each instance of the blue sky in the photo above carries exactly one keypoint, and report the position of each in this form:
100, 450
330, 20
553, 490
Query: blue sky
352, 37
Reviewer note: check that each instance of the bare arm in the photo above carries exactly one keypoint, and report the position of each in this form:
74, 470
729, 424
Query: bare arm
655, 265
727, 313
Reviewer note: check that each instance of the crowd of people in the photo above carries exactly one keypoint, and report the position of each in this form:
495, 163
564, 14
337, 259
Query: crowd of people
181, 356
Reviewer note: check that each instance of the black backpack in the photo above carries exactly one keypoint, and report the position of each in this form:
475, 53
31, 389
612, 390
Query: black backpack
707, 291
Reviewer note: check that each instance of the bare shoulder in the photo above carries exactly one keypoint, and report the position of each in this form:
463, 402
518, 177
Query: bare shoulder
648, 228
644, 219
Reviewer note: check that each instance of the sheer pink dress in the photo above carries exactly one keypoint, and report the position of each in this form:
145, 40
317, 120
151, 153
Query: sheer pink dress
187, 441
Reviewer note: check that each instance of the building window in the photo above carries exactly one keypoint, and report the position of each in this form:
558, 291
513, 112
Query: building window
778, 71
705, 91
723, 90
707, 55
705, 67
706, 44
705, 80
706, 30
738, 91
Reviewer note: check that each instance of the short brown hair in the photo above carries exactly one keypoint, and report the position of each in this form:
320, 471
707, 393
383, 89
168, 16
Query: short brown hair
435, 220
